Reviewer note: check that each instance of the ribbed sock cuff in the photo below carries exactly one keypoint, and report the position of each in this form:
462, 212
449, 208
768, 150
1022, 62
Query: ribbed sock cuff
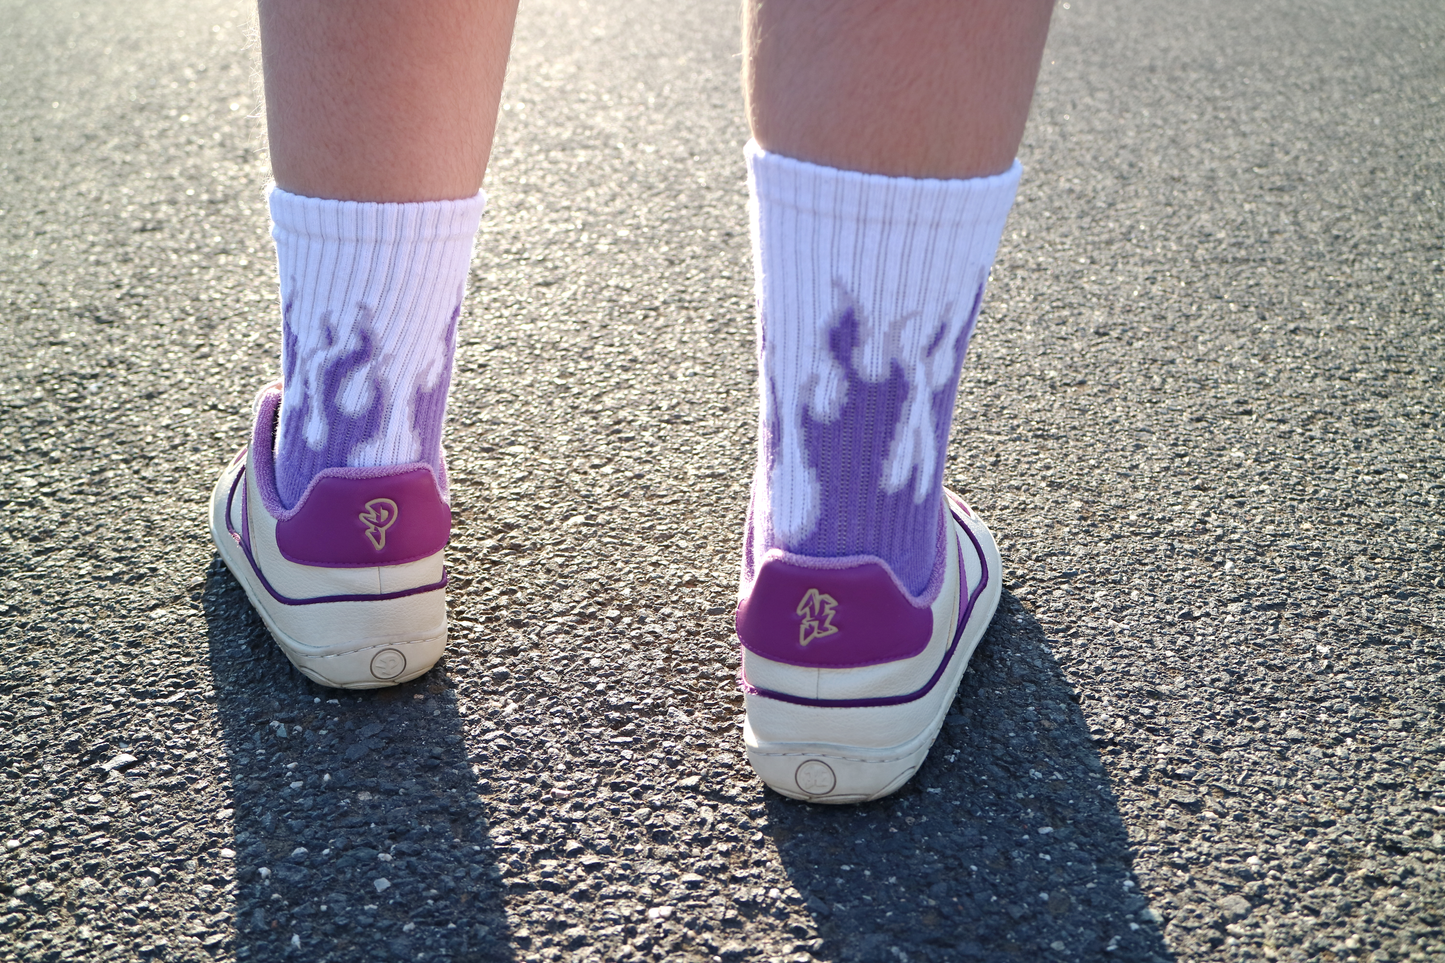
342, 221
842, 194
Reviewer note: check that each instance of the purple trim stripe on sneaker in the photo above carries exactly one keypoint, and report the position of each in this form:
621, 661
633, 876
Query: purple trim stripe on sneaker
243, 538
911, 696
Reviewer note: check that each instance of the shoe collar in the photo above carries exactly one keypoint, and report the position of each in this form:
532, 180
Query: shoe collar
263, 461
924, 599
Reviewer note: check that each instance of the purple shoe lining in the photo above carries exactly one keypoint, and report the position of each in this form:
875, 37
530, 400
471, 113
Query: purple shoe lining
911, 696
924, 599
334, 524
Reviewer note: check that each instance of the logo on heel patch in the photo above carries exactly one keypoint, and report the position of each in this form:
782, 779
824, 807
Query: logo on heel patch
817, 610
380, 515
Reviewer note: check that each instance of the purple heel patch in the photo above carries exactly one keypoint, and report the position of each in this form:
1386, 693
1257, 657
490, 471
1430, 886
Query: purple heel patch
345, 521
831, 618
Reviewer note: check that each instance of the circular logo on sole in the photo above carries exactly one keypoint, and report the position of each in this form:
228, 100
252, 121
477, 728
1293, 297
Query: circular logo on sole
815, 778
388, 664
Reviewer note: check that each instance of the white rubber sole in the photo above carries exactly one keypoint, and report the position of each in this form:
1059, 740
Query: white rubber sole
850, 770
364, 644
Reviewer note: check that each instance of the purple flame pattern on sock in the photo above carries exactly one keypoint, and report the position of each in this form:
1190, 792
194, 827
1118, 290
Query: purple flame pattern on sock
429, 407
849, 453
296, 461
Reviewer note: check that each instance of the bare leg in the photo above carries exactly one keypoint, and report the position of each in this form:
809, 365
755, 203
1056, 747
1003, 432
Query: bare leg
383, 100
908, 88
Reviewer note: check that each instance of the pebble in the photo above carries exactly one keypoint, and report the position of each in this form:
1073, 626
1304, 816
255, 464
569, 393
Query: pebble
1234, 907
120, 762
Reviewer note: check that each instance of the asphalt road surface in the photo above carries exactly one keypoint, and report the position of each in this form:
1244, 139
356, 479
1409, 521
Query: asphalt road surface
1203, 413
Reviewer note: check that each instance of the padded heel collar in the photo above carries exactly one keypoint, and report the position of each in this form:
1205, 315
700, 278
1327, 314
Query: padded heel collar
831, 618
350, 517
346, 521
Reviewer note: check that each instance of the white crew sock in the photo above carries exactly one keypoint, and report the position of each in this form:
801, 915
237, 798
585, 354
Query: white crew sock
868, 288
370, 296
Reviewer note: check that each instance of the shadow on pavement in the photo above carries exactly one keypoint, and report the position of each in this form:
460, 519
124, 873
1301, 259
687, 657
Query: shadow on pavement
359, 833
1007, 844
